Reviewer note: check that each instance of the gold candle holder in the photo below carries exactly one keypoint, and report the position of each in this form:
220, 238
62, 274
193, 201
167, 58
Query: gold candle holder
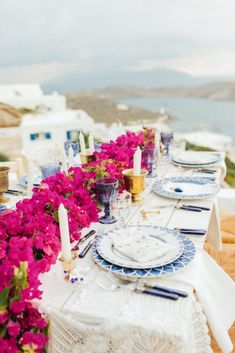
135, 184
4, 183
69, 265
87, 157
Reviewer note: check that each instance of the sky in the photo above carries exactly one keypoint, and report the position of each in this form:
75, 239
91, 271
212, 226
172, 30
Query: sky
43, 40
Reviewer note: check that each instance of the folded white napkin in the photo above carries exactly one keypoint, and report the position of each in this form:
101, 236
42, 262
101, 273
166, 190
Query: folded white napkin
140, 247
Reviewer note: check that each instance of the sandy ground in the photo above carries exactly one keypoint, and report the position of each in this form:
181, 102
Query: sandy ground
11, 146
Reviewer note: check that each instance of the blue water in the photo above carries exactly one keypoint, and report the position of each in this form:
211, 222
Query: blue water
192, 113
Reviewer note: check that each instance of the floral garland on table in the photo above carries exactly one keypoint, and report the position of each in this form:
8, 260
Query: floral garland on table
30, 243
30, 239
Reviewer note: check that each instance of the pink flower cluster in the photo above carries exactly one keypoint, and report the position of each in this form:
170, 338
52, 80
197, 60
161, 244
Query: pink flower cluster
30, 239
117, 156
29, 244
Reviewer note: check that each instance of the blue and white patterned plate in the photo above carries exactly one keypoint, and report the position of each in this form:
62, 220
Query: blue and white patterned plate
166, 270
192, 188
104, 245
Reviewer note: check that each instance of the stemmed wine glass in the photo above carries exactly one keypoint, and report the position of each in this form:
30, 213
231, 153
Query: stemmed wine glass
166, 139
149, 159
74, 145
105, 189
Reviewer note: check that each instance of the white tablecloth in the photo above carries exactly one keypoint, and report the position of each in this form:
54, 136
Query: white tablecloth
88, 318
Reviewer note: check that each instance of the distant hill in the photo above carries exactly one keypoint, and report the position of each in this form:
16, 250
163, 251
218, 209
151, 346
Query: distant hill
214, 91
107, 111
150, 83
79, 80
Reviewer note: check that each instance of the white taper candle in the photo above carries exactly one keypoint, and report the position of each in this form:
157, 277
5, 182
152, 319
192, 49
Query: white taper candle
137, 161
82, 143
157, 143
29, 179
78, 159
63, 161
91, 144
64, 233
71, 158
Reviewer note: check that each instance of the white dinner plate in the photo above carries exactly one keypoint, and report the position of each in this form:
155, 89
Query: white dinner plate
107, 251
24, 182
195, 158
155, 272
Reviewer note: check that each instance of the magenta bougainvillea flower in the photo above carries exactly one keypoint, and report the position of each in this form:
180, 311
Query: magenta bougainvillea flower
30, 238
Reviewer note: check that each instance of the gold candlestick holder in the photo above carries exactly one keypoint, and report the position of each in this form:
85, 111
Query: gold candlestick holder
87, 157
68, 266
135, 184
4, 183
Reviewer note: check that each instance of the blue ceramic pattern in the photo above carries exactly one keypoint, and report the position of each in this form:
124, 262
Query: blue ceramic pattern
120, 262
158, 188
166, 270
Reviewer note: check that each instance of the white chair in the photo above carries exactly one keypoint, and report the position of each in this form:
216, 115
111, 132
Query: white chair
17, 166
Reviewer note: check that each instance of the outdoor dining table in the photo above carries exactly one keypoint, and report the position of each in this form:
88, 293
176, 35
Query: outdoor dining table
87, 317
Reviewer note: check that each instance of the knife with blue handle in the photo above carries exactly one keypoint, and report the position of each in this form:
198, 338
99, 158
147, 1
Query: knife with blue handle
191, 231
186, 208
157, 293
207, 171
178, 292
197, 207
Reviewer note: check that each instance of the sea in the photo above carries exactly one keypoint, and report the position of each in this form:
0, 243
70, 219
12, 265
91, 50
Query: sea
192, 114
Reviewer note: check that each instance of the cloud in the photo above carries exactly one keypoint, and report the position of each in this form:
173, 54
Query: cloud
203, 65
93, 34
34, 73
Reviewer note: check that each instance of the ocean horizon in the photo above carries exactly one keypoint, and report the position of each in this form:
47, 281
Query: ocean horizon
192, 114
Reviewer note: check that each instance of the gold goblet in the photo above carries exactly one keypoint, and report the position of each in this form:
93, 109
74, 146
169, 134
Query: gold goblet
4, 183
69, 265
135, 184
87, 157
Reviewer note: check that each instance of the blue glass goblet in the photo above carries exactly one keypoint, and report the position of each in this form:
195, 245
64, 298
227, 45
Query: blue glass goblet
149, 159
98, 146
50, 169
166, 139
105, 189
73, 144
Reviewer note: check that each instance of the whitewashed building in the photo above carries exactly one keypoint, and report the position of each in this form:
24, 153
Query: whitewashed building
31, 96
54, 127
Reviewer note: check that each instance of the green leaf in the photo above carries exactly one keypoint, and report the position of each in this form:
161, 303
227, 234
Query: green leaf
24, 274
4, 298
102, 164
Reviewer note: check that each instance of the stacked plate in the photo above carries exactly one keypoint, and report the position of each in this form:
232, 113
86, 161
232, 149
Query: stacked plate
181, 251
23, 181
196, 159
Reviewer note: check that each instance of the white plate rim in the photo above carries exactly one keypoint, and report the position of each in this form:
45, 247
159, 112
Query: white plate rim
149, 264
